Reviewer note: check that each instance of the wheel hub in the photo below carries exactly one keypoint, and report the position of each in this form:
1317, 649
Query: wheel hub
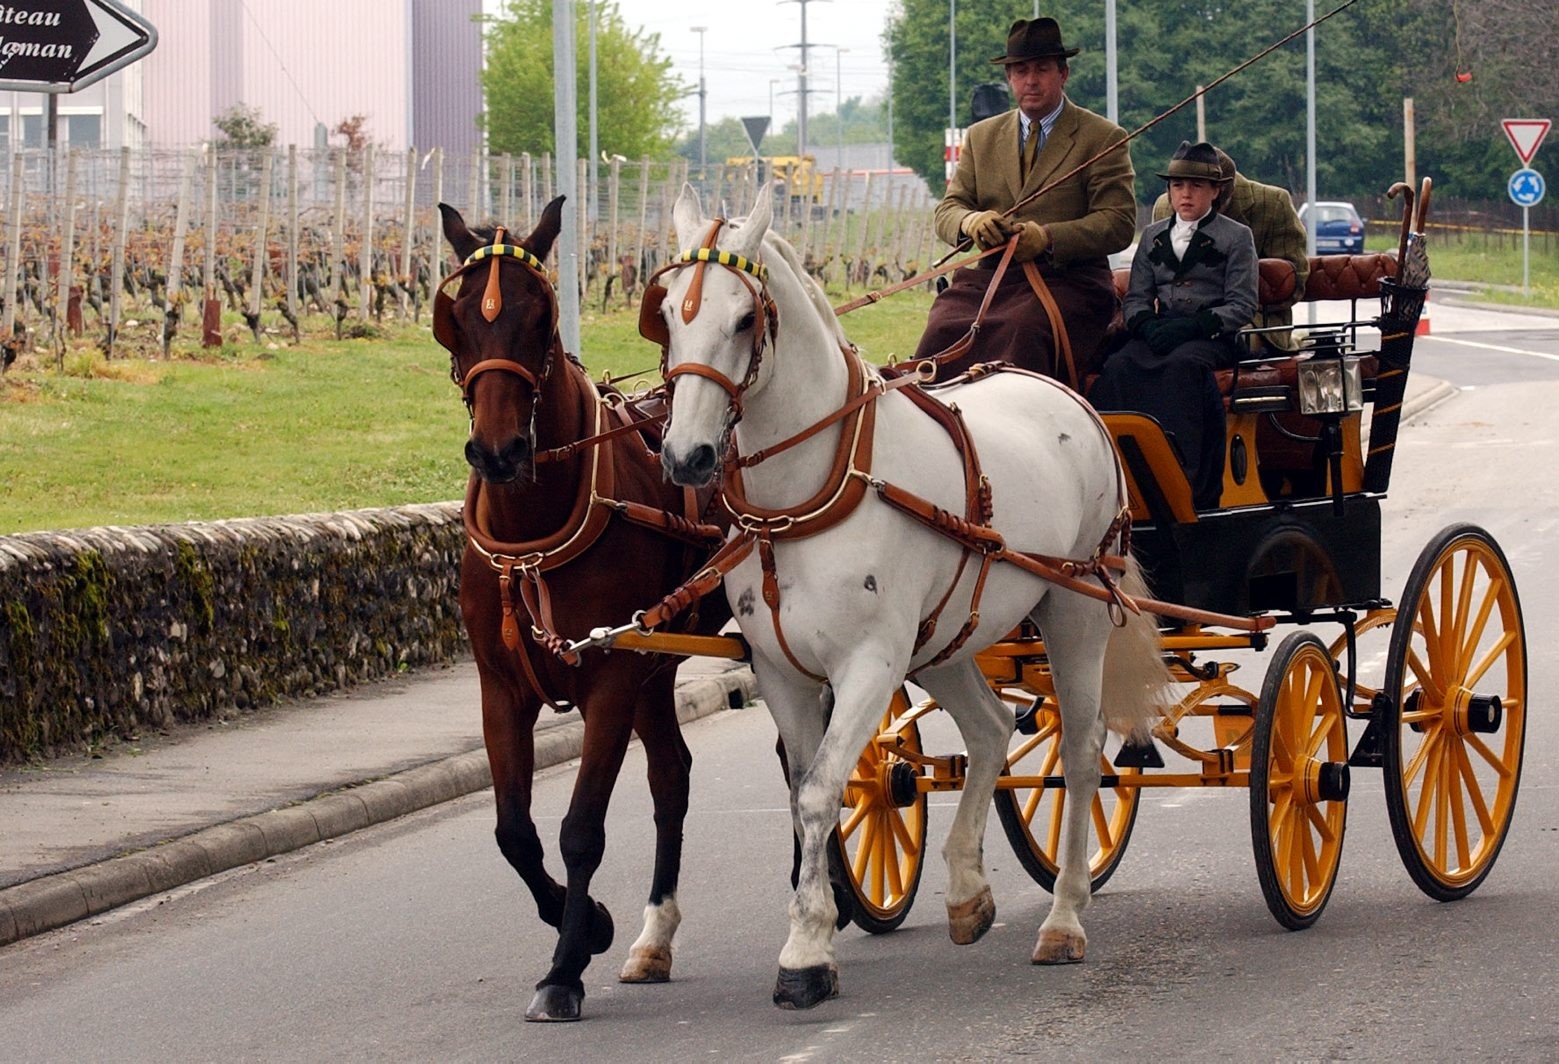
1475, 714
1326, 781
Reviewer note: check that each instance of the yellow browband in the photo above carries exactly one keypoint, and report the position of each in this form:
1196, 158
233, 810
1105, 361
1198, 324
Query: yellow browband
513, 250
726, 258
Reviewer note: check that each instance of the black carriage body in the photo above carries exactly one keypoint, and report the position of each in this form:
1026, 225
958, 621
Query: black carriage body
1296, 557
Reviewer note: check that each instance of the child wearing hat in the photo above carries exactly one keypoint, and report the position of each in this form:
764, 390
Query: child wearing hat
1193, 287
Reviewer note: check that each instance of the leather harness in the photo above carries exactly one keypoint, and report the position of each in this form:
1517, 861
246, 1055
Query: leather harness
595, 502
850, 476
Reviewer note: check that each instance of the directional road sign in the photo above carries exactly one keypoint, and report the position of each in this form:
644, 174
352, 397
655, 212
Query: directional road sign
66, 45
1525, 135
1526, 187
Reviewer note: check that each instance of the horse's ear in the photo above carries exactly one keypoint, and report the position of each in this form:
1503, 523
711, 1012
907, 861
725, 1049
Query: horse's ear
547, 228
457, 234
747, 237
688, 216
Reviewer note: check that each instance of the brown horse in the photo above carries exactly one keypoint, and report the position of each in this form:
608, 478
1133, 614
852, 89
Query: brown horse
570, 526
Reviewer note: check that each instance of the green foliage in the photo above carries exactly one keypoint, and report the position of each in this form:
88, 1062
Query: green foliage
636, 91
243, 126
1368, 58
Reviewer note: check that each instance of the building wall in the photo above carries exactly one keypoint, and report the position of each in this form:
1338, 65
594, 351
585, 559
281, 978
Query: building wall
446, 67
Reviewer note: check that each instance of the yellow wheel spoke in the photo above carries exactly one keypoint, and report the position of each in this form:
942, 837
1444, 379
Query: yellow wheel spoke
1432, 689
853, 821
863, 853
1053, 837
901, 832
1031, 802
1416, 765
1323, 826
1312, 861
1101, 825
1456, 637
1496, 651
1428, 756
1495, 761
1458, 806
1480, 623
1442, 805
1480, 805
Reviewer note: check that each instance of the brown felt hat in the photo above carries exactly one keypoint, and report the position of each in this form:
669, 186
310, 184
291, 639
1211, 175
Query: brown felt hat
1198, 160
1035, 38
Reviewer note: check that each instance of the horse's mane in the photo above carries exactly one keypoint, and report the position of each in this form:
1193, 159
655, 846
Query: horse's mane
809, 285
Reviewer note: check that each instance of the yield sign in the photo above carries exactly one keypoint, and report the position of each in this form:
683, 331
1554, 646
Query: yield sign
1526, 134
69, 44
756, 126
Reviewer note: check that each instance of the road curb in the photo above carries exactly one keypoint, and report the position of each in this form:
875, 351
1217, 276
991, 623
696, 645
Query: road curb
51, 902
1434, 395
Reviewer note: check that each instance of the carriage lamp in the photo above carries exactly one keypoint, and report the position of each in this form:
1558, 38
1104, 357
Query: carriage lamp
1330, 386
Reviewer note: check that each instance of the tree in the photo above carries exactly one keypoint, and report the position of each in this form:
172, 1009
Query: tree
243, 126
1466, 65
636, 91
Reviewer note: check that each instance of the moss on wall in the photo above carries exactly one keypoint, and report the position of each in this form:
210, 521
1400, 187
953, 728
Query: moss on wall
108, 630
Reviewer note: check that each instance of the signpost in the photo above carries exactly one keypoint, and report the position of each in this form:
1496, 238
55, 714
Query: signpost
65, 45
1526, 186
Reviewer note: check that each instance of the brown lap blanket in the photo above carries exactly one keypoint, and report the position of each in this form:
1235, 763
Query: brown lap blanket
1016, 328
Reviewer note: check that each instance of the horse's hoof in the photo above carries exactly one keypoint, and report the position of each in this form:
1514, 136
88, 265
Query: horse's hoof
647, 964
968, 921
554, 1004
802, 988
1059, 947
601, 930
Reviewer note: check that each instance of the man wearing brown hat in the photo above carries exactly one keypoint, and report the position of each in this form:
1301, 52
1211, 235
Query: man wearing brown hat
1269, 212
1051, 310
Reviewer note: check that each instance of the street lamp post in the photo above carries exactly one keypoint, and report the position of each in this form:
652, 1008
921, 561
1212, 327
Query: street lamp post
703, 157
839, 100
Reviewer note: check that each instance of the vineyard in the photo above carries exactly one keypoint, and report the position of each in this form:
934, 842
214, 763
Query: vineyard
144, 248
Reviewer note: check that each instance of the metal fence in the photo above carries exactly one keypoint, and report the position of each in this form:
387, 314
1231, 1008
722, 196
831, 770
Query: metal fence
98, 239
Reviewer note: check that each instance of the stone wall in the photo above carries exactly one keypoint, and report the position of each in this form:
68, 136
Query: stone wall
105, 631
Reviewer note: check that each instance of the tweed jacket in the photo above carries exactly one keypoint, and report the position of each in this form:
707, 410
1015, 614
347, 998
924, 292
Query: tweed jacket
1089, 216
1273, 223
1218, 273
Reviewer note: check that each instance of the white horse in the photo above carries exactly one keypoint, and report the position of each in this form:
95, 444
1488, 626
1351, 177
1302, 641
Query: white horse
850, 600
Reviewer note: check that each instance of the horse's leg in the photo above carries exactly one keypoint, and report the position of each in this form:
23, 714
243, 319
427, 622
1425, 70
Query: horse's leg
1076, 632
655, 721
844, 897
608, 713
986, 726
808, 972
508, 718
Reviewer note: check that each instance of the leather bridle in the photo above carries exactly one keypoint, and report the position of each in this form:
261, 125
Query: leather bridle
765, 329
446, 329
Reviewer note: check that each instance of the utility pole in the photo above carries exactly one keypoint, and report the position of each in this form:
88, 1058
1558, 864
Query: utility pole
703, 154
801, 78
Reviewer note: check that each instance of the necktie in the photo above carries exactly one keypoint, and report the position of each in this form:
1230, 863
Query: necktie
1030, 149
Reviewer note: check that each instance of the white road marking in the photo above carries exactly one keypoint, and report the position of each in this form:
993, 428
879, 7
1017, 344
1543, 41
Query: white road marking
1498, 347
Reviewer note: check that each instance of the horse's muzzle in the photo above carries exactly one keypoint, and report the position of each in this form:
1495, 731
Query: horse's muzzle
692, 470
509, 462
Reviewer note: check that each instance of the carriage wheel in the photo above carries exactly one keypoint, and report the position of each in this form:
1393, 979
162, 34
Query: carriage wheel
882, 828
1299, 781
1032, 816
1458, 676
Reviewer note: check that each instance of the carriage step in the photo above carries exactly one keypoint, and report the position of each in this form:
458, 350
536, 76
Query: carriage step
1370, 751
1138, 755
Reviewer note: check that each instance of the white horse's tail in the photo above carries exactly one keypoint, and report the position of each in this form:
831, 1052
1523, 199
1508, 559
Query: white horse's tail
1137, 683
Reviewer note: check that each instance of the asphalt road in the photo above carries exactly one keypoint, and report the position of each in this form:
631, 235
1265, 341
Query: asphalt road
415, 941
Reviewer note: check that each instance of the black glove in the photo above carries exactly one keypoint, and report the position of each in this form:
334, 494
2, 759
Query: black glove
1208, 324
1171, 333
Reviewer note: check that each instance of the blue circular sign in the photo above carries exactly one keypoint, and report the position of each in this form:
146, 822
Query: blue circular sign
1526, 187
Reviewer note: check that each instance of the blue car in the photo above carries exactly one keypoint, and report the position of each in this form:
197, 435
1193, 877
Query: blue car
1338, 228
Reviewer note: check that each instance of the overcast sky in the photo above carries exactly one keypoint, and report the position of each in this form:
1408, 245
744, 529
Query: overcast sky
745, 45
